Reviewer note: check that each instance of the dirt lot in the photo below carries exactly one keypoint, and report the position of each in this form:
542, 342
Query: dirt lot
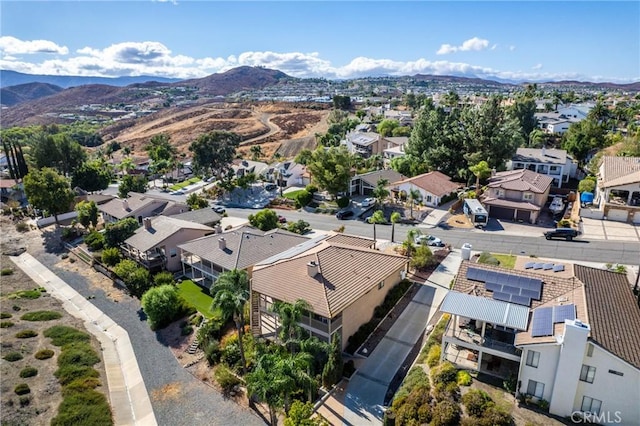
45, 396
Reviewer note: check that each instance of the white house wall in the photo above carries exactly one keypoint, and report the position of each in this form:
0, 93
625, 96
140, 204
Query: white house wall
546, 370
406, 187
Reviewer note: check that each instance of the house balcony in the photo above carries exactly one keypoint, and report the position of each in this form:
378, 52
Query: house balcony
150, 259
494, 341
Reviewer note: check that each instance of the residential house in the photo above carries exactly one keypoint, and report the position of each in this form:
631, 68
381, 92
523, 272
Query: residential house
394, 147
342, 281
139, 206
155, 244
205, 258
288, 173
12, 190
553, 122
244, 167
553, 328
517, 195
617, 194
433, 186
364, 144
205, 216
553, 162
365, 183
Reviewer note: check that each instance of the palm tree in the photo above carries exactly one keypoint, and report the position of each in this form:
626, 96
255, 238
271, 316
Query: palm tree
256, 152
481, 171
381, 192
376, 217
414, 195
230, 293
395, 217
126, 165
263, 384
290, 315
408, 243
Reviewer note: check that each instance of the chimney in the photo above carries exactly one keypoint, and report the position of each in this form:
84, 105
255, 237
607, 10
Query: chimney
218, 229
544, 151
312, 269
147, 222
125, 204
222, 244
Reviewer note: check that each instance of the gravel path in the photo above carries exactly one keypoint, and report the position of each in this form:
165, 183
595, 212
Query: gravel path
177, 397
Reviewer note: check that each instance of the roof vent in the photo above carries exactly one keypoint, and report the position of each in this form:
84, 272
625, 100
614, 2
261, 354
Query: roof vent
313, 269
147, 222
222, 244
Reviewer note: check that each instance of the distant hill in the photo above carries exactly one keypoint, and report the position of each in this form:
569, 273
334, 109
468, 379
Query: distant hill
236, 79
462, 80
625, 87
13, 78
26, 92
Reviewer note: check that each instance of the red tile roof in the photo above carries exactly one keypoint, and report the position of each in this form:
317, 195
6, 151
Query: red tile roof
436, 183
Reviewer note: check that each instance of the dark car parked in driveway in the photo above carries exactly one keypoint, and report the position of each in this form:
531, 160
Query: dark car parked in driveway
565, 233
345, 214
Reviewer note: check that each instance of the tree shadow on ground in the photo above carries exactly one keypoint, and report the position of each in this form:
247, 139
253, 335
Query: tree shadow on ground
52, 240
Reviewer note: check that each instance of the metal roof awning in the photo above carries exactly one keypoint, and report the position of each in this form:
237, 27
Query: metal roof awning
488, 310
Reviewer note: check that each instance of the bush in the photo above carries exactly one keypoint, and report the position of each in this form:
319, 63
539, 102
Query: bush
68, 373
26, 334
162, 305
44, 354
25, 400
81, 385
13, 356
186, 330
487, 258
41, 316
6, 324
28, 372
5, 315
22, 226
464, 378
230, 354
476, 401
433, 358
564, 223
445, 413
212, 352
444, 373
311, 188
416, 378
111, 256
303, 198
83, 408
94, 240
6, 271
26, 294
78, 354
22, 389
343, 202
225, 378
163, 278
494, 416
62, 335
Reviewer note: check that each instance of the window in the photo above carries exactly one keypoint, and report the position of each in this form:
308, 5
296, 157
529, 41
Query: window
527, 196
590, 405
589, 350
532, 358
500, 193
617, 373
535, 388
588, 373
173, 252
380, 285
428, 198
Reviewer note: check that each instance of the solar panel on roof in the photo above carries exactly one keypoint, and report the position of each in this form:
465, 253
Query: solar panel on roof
492, 286
558, 268
547, 266
529, 265
530, 293
523, 282
510, 290
491, 277
542, 324
538, 266
498, 295
520, 300
563, 312
472, 274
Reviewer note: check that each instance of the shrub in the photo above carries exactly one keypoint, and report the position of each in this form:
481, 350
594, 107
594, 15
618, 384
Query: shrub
62, 335
494, 416
6, 324
433, 358
225, 378
186, 330
445, 413
212, 352
81, 385
94, 240
343, 202
163, 278
6, 271
22, 226
88, 408
446, 391
44, 354
22, 389
476, 401
111, 256
444, 373
303, 198
162, 305
41, 316
13, 356
27, 294
78, 354
464, 378
68, 373
487, 258
26, 334
5, 315
311, 188
16, 308
416, 379
230, 354
25, 400
28, 372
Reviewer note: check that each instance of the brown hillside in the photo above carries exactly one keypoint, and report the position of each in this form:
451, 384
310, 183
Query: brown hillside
234, 80
25, 92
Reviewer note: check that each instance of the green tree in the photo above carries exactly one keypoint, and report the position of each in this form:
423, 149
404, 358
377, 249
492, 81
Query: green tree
299, 227
480, 171
289, 315
163, 278
132, 183
111, 256
401, 131
409, 165
332, 371
162, 305
48, 190
342, 102
395, 218
87, 213
230, 294
523, 110
256, 152
264, 220
92, 176
381, 193
422, 257
331, 169
136, 278
587, 184
196, 202
71, 154
387, 126
12, 147
116, 233
582, 137
408, 243
214, 151
376, 217
414, 197
300, 415
58, 151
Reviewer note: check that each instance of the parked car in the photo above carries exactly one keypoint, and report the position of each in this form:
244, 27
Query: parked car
429, 240
368, 202
178, 192
565, 233
270, 187
282, 219
344, 214
218, 209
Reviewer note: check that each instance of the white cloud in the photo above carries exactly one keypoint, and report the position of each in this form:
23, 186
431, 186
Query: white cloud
474, 43
537, 67
13, 46
512, 48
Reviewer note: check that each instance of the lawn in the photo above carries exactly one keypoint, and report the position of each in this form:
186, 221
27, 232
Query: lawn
181, 185
292, 195
506, 260
197, 296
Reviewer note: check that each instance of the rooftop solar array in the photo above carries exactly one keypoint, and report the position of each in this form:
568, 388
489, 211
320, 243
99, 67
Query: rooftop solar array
555, 267
544, 318
508, 287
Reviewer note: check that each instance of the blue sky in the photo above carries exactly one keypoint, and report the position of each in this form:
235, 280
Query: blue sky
544, 40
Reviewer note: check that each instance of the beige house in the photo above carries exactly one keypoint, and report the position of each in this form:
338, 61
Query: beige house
139, 206
517, 195
343, 280
433, 186
618, 190
155, 244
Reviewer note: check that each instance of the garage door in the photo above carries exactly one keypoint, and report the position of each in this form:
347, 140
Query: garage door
617, 215
501, 213
636, 218
524, 215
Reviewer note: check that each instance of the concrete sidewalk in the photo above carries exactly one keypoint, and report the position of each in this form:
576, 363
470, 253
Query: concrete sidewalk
128, 395
365, 393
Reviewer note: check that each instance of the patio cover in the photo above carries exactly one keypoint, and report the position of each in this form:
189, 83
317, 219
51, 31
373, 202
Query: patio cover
488, 310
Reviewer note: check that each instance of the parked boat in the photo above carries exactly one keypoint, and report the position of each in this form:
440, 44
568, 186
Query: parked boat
557, 206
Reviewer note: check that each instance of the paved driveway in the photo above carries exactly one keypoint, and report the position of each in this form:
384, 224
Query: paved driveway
609, 230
